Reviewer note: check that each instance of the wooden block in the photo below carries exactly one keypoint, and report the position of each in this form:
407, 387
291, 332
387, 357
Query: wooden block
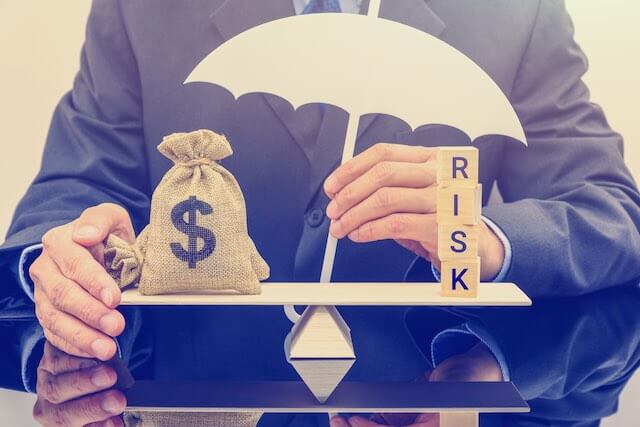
320, 333
342, 294
322, 376
460, 278
457, 241
458, 165
459, 419
459, 204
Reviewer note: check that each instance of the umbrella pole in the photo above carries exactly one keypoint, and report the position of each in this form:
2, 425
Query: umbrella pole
347, 154
374, 8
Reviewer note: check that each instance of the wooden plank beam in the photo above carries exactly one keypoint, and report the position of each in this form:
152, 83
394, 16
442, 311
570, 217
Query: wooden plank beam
349, 397
342, 294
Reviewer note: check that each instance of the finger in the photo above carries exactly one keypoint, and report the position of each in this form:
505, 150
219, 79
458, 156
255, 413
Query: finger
111, 422
65, 347
383, 202
362, 422
96, 223
379, 418
72, 385
428, 420
67, 296
419, 227
383, 174
431, 423
396, 419
360, 164
80, 412
80, 336
55, 361
77, 264
338, 422
415, 247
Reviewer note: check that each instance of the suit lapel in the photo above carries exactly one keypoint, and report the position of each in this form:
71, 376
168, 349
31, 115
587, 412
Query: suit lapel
328, 152
233, 17
236, 16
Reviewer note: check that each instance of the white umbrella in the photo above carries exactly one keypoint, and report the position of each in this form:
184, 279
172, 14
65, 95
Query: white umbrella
362, 64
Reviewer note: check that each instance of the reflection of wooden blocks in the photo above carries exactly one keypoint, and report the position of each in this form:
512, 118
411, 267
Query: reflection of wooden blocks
320, 349
457, 241
460, 278
459, 204
457, 165
459, 419
322, 376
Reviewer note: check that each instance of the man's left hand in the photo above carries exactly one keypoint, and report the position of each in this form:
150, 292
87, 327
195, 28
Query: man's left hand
389, 192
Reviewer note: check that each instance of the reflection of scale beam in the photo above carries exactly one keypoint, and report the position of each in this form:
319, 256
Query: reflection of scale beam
349, 397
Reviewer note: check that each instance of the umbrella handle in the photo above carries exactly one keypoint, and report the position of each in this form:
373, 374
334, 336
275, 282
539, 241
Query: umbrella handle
292, 314
347, 154
374, 8
332, 243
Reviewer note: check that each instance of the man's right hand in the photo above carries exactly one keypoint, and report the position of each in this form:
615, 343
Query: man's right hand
75, 297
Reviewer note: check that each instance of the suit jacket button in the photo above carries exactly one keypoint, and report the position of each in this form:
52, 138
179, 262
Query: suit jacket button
315, 217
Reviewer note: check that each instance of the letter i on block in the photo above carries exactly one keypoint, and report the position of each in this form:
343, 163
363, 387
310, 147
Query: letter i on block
459, 203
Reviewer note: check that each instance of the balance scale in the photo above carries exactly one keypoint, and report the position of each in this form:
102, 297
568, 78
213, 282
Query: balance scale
319, 346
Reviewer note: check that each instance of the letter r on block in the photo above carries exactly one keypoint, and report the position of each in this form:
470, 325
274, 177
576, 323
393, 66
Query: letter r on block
457, 165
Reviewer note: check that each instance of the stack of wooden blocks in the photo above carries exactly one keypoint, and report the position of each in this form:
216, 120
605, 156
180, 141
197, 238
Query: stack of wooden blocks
459, 204
320, 349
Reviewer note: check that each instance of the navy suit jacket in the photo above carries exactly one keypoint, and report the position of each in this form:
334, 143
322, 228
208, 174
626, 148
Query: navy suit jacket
570, 210
569, 357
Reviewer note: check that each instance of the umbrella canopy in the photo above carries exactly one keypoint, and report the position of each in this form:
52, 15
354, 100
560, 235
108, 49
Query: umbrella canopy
362, 64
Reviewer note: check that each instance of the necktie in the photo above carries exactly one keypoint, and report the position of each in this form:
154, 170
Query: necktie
320, 6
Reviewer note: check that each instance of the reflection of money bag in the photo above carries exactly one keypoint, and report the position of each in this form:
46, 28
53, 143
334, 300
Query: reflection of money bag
197, 238
180, 419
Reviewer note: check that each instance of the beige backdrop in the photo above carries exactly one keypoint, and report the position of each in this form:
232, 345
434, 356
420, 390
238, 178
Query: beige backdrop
39, 45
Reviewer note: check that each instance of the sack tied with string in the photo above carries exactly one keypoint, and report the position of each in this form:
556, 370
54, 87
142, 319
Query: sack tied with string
197, 237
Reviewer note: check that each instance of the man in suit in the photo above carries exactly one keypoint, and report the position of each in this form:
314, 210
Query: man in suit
552, 359
567, 226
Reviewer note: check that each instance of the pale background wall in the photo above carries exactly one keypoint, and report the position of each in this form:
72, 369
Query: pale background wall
39, 45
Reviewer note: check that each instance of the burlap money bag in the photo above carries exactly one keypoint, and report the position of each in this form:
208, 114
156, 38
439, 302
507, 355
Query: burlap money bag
197, 238
179, 419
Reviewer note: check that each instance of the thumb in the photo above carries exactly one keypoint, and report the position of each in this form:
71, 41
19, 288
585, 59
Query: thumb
96, 223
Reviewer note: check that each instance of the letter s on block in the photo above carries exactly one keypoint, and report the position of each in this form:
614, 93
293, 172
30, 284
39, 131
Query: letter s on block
456, 242
456, 237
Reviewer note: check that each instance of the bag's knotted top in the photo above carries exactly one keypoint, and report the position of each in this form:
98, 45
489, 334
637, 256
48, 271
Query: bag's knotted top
202, 147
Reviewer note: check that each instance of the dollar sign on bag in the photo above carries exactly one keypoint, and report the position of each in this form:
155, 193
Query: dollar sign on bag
192, 255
